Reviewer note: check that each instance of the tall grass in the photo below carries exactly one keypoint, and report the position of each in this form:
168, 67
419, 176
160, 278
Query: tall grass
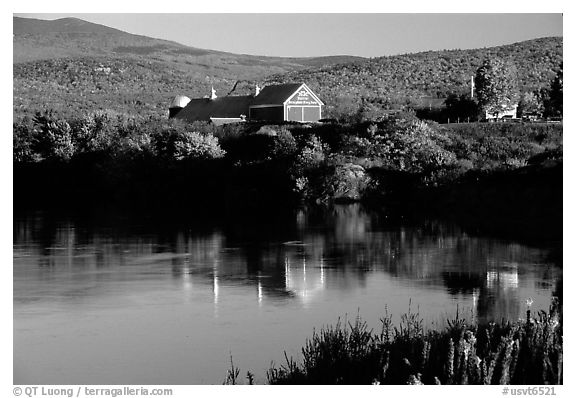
524, 352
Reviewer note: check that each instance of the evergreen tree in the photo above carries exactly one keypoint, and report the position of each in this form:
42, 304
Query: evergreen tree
555, 104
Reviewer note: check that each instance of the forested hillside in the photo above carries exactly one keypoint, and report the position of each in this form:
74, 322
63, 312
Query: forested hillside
73, 86
420, 79
72, 66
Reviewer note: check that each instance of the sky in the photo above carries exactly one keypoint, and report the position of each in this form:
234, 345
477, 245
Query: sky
303, 35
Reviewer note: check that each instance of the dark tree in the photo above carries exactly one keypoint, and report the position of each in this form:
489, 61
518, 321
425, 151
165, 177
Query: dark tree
461, 107
554, 105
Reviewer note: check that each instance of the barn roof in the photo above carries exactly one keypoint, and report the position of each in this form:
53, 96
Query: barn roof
225, 107
275, 95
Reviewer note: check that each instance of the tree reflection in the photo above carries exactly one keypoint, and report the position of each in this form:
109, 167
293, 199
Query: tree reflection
299, 258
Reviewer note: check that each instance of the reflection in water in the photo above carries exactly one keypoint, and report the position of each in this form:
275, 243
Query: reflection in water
315, 263
335, 251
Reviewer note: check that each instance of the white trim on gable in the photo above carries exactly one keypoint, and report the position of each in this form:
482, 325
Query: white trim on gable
303, 85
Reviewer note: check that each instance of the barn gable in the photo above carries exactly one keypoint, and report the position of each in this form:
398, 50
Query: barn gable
303, 96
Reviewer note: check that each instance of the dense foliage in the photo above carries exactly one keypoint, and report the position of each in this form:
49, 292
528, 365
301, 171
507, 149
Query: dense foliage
47, 138
524, 352
74, 87
318, 163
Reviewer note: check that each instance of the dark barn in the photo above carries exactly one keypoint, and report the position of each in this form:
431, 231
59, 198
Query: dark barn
277, 103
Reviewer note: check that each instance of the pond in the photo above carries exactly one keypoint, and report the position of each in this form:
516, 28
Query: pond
138, 302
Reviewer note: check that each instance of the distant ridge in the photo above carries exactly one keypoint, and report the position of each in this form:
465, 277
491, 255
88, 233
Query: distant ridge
36, 40
33, 26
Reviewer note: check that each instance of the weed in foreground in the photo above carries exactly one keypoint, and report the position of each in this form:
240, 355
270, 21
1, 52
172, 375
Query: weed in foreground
525, 352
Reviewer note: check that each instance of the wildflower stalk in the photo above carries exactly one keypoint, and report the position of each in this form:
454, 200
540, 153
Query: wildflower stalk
450, 362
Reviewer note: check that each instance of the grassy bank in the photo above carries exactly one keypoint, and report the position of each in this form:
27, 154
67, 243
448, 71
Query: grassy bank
527, 351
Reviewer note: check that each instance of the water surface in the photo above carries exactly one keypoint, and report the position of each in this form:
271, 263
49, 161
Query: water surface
99, 302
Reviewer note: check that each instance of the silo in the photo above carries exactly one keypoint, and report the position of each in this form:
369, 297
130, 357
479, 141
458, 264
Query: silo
178, 103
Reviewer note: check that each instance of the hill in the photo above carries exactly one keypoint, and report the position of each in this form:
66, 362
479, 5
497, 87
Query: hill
37, 40
73, 66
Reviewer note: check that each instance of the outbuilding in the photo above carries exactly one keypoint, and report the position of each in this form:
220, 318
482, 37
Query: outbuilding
178, 103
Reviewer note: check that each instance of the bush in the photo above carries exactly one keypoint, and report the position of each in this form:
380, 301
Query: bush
23, 143
94, 132
309, 169
227, 132
347, 182
266, 144
354, 145
311, 155
173, 143
134, 144
404, 145
53, 137
197, 146
285, 145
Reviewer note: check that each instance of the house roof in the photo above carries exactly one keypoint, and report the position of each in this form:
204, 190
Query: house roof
275, 95
225, 107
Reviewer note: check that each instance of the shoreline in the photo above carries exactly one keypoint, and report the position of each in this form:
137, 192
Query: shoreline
524, 204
